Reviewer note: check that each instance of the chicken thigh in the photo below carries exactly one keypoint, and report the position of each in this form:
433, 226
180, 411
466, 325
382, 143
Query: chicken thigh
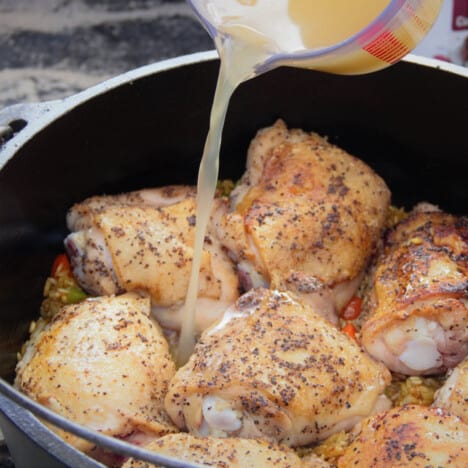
453, 395
143, 241
222, 453
80, 216
418, 302
102, 363
306, 217
273, 368
409, 436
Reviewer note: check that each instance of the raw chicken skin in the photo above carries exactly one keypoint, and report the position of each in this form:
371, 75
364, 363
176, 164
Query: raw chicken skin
418, 302
275, 369
223, 453
306, 217
409, 436
124, 247
453, 395
103, 363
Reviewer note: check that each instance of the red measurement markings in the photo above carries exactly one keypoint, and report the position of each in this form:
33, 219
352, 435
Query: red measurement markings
416, 19
387, 47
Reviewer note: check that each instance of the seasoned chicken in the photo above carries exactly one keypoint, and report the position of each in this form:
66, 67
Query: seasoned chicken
80, 216
91, 260
222, 453
103, 363
143, 241
273, 368
453, 395
306, 217
409, 436
418, 301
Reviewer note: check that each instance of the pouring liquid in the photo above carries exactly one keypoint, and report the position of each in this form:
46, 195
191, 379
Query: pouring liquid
238, 59
250, 33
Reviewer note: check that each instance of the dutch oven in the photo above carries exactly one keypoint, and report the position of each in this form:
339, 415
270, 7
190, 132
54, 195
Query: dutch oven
146, 128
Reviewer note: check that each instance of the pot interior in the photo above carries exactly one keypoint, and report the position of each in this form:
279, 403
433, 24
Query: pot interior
150, 132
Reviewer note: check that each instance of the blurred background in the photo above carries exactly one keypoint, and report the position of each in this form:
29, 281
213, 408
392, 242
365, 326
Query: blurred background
54, 48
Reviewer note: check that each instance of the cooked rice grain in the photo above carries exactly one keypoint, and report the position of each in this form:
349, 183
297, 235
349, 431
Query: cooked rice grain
413, 390
60, 290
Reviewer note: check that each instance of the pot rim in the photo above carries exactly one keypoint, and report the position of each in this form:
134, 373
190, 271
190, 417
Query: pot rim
26, 414
36, 116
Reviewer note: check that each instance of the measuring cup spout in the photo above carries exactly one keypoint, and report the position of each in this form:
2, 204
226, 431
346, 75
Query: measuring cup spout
330, 35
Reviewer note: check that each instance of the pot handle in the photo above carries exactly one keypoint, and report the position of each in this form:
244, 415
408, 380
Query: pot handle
16, 117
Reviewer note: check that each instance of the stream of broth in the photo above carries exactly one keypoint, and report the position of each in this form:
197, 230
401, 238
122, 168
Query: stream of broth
238, 59
250, 31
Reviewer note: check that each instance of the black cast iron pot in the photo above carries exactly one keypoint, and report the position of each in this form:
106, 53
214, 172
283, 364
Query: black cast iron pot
147, 128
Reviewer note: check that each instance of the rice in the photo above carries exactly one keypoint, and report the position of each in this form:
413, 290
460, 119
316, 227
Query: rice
225, 187
60, 290
413, 390
394, 216
332, 448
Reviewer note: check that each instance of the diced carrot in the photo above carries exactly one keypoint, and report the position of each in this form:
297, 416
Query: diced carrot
352, 309
350, 330
61, 263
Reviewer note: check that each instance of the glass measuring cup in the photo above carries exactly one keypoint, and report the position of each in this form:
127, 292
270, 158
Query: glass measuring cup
394, 32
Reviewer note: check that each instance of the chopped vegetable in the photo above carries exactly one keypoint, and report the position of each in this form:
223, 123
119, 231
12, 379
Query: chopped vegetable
61, 264
75, 294
60, 288
352, 309
350, 330
394, 216
225, 187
